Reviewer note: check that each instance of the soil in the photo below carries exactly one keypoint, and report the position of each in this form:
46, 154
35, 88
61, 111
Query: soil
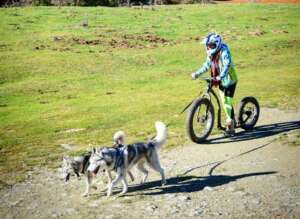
126, 41
253, 175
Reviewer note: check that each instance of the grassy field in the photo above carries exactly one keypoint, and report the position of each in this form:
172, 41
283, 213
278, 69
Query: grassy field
104, 69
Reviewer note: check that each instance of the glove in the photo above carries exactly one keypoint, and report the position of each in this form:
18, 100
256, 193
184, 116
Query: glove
193, 75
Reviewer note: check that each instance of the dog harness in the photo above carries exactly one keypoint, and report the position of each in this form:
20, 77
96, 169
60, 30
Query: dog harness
86, 162
119, 156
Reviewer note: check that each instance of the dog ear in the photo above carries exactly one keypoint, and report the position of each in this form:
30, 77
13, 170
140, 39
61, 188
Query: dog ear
104, 162
93, 150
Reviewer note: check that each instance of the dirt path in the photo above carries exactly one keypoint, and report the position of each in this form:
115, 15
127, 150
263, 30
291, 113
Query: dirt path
254, 175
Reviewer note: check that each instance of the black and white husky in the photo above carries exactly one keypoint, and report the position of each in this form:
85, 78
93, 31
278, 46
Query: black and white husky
79, 164
122, 159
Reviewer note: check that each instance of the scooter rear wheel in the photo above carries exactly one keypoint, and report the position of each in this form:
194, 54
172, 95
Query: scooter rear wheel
248, 113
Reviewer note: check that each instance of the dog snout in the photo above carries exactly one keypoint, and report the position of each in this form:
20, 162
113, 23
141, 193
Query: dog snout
91, 174
92, 167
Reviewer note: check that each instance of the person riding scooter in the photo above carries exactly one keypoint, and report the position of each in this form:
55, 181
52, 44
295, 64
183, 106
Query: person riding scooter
219, 61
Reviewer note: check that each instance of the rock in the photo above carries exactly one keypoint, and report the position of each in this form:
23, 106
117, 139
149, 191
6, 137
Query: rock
67, 146
74, 130
93, 205
70, 211
184, 198
254, 202
151, 207
196, 212
208, 188
57, 38
55, 216
241, 193
64, 194
175, 210
231, 189
117, 206
203, 204
141, 134
170, 196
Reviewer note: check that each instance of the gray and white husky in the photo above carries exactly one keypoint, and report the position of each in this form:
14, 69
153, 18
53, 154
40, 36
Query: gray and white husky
121, 160
79, 164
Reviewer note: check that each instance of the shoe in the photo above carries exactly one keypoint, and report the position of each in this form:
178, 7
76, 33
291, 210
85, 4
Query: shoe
230, 131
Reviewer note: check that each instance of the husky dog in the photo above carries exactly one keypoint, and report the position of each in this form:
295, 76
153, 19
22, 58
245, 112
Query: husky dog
79, 164
121, 160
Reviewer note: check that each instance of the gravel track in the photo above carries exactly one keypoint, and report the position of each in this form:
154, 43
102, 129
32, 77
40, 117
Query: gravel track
253, 175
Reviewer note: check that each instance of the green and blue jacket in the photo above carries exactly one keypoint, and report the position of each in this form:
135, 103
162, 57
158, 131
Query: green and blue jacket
227, 72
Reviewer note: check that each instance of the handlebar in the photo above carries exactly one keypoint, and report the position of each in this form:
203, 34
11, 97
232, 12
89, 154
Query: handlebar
207, 79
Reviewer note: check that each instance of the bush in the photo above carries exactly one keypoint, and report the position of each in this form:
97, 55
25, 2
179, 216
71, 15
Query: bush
41, 2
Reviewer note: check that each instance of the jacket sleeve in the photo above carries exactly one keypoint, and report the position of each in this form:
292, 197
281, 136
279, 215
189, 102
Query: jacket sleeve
205, 66
226, 61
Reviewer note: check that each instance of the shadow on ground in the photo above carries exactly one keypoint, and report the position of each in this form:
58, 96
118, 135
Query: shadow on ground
186, 184
182, 184
259, 132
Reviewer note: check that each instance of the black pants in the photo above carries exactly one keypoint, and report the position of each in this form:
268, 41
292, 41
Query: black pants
228, 91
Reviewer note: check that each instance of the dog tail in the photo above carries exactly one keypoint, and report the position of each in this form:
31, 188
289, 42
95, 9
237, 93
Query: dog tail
119, 137
161, 134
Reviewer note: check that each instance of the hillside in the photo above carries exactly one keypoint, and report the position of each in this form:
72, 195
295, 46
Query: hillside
75, 75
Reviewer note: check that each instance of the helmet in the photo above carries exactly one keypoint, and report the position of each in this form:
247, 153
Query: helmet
213, 43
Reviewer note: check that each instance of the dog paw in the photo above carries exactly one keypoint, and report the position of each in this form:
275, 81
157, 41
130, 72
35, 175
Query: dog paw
108, 194
103, 190
115, 197
85, 194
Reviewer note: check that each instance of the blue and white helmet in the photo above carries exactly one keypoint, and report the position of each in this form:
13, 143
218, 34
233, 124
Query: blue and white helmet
213, 43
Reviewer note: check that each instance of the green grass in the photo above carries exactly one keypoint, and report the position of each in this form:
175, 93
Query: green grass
127, 68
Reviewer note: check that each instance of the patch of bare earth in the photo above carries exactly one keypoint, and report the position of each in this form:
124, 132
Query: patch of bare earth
253, 175
126, 41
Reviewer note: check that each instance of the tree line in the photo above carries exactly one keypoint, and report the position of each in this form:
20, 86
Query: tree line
111, 3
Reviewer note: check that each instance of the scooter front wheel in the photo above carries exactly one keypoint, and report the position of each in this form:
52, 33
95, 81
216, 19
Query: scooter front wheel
200, 120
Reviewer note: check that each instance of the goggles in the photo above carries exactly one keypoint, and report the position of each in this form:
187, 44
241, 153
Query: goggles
211, 46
